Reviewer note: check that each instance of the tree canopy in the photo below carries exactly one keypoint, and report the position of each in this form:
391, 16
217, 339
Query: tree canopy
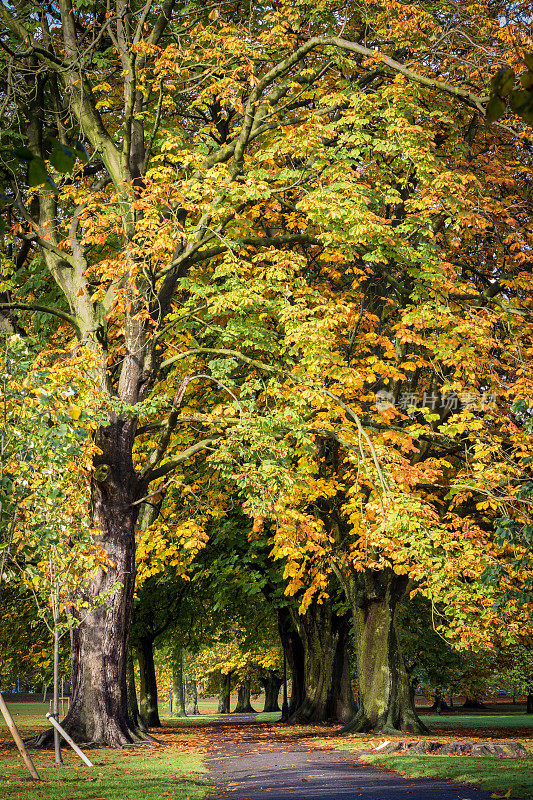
281, 253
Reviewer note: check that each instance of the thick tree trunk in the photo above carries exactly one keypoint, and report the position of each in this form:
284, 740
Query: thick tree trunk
386, 703
133, 706
440, 703
342, 706
328, 692
224, 696
293, 644
244, 705
192, 697
529, 704
178, 690
98, 712
271, 683
148, 683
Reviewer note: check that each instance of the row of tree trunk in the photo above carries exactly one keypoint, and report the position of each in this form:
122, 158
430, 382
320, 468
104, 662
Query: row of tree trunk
316, 644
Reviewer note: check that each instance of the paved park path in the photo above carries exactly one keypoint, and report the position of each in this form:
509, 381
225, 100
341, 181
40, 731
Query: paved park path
248, 762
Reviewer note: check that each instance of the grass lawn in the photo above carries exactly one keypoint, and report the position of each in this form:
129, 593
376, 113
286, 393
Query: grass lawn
493, 774
157, 773
496, 775
484, 722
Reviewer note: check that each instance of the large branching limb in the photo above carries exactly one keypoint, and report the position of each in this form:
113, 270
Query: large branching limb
142, 20
69, 28
45, 310
254, 241
127, 59
185, 455
193, 254
284, 66
470, 98
185, 420
159, 451
83, 103
165, 15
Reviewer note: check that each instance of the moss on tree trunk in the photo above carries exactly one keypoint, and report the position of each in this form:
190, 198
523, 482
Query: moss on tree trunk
271, 683
295, 656
244, 705
191, 689
386, 702
148, 683
224, 696
133, 706
328, 692
99, 712
178, 689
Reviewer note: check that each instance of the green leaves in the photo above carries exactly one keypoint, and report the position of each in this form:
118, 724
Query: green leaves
521, 100
522, 103
495, 109
38, 175
62, 158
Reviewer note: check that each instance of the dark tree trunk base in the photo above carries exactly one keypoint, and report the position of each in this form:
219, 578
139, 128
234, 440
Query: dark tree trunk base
149, 710
328, 693
439, 706
474, 705
130, 738
224, 696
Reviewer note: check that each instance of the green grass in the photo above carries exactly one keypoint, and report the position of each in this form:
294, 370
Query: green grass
154, 773
496, 775
493, 774
28, 715
207, 719
490, 721
116, 775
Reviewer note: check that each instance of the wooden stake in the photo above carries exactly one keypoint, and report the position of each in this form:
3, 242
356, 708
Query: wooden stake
18, 740
70, 741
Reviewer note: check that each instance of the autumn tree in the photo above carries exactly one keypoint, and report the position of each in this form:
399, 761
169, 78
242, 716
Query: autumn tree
217, 196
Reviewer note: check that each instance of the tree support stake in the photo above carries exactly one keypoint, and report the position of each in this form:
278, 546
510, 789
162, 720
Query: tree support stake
69, 741
18, 740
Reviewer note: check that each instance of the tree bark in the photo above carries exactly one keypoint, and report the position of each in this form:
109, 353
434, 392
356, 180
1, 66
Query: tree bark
148, 683
224, 696
328, 693
342, 706
386, 702
178, 693
192, 697
295, 657
99, 709
244, 705
272, 684
529, 703
133, 706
